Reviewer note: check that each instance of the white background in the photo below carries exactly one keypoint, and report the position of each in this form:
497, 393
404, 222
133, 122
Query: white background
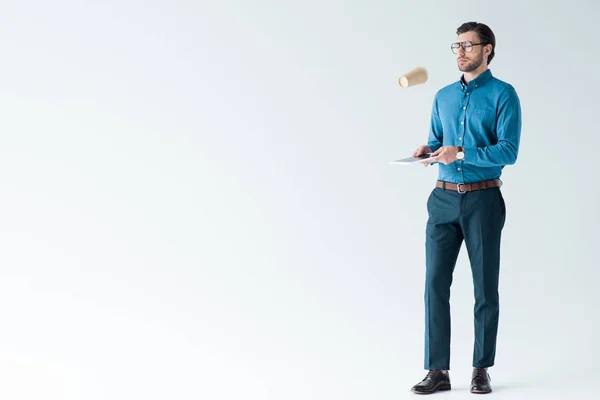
196, 200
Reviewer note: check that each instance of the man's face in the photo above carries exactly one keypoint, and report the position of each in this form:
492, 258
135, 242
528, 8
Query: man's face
469, 61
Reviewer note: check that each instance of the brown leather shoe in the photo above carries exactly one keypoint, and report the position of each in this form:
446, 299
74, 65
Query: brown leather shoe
480, 381
434, 381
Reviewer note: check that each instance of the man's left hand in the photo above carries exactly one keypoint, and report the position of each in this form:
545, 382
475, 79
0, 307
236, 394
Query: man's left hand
445, 154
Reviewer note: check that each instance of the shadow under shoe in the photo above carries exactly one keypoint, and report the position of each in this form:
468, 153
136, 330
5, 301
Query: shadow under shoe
434, 381
480, 381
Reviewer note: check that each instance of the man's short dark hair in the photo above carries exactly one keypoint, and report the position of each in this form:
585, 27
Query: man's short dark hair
483, 31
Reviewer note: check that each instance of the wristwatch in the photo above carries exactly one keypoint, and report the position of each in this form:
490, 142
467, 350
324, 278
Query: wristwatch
461, 153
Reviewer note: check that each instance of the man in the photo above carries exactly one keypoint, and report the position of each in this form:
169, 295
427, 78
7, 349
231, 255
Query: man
475, 131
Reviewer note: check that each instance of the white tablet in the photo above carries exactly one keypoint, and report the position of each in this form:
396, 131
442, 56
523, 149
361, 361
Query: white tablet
414, 160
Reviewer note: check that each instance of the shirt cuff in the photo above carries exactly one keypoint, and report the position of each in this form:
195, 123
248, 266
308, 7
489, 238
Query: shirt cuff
470, 154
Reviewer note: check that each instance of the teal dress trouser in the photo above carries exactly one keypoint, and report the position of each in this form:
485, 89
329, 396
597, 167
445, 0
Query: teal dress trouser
477, 218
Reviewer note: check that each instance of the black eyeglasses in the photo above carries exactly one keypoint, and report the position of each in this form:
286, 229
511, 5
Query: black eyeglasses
467, 46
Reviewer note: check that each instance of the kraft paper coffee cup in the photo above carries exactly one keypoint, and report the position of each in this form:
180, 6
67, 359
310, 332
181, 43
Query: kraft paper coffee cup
413, 77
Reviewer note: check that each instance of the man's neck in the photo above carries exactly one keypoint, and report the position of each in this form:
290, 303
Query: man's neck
469, 76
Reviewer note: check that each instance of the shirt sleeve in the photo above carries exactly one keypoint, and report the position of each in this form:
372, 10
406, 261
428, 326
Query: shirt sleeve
436, 136
508, 130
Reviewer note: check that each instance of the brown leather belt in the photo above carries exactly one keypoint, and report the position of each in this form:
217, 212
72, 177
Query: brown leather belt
469, 187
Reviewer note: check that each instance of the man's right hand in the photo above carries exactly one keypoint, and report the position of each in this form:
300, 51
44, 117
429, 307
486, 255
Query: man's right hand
422, 150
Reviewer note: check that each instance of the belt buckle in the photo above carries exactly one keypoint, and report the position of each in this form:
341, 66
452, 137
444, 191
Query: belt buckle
458, 188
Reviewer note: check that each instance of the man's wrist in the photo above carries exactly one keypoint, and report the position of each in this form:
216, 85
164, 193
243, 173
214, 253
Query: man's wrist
460, 154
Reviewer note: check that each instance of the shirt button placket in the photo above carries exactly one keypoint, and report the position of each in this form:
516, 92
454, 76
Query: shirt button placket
462, 133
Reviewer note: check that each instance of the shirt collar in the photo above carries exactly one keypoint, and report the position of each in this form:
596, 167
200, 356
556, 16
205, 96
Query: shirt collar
480, 80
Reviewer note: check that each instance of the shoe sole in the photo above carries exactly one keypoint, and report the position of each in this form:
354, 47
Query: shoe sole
481, 391
444, 387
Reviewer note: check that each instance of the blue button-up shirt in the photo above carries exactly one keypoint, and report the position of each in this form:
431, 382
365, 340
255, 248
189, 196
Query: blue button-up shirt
484, 117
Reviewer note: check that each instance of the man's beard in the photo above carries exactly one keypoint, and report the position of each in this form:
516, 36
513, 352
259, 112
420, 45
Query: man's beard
471, 66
